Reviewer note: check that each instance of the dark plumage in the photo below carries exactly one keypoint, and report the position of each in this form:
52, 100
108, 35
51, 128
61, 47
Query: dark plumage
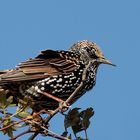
57, 73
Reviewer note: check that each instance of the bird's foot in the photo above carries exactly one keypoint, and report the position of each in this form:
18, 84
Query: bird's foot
63, 107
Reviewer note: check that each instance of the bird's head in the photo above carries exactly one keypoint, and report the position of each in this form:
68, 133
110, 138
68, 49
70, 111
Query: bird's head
90, 51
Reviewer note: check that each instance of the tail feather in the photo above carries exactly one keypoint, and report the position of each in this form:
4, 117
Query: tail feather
1, 74
3, 71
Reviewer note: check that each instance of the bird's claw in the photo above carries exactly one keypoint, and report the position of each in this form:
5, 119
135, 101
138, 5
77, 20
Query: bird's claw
63, 107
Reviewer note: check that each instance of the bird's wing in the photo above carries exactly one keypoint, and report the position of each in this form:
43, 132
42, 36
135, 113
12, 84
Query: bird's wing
46, 64
3, 71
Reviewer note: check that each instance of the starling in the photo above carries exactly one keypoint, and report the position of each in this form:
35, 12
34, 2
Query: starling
56, 73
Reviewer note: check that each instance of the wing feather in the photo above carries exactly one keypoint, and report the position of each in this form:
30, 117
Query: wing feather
46, 64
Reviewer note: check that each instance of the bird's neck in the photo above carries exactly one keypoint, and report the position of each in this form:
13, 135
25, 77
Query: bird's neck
91, 76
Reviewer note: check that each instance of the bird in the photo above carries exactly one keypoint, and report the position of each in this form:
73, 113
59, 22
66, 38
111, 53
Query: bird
57, 73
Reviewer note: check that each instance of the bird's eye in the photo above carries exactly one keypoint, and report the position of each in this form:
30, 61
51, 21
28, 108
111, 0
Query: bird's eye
93, 53
88, 49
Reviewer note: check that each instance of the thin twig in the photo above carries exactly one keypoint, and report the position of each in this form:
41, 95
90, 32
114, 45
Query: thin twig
50, 133
21, 134
52, 97
14, 123
86, 134
9, 114
32, 137
46, 122
58, 137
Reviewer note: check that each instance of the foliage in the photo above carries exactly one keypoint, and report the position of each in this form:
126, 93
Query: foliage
36, 123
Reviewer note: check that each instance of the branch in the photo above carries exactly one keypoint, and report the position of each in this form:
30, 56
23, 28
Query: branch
21, 134
14, 123
48, 132
46, 122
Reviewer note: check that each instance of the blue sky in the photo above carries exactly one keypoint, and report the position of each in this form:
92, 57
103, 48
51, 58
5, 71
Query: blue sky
26, 27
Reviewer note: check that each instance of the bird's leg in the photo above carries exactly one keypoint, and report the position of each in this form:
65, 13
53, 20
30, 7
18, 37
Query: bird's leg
63, 106
41, 111
52, 97
80, 86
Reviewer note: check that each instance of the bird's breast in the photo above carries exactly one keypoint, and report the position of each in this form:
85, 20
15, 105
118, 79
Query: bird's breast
91, 77
63, 85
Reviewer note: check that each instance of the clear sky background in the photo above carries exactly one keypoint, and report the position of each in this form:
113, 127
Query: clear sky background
28, 26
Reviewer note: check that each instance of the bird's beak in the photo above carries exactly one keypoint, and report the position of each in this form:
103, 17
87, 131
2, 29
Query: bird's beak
105, 61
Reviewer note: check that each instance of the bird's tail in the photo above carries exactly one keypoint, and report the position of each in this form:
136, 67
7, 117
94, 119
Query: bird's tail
4, 71
1, 74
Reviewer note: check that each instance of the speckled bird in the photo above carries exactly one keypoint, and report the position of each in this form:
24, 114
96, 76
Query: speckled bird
56, 73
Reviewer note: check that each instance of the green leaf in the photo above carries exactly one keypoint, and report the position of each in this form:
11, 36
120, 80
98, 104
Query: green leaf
77, 128
2, 98
64, 134
70, 137
79, 138
9, 101
1, 118
86, 115
23, 114
8, 131
72, 118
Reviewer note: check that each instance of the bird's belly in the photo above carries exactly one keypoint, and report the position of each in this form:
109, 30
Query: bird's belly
60, 86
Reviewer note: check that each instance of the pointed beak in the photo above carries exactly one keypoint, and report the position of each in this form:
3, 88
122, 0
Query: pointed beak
105, 61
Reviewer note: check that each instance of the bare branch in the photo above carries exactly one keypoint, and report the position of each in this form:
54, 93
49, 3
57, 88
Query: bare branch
21, 134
